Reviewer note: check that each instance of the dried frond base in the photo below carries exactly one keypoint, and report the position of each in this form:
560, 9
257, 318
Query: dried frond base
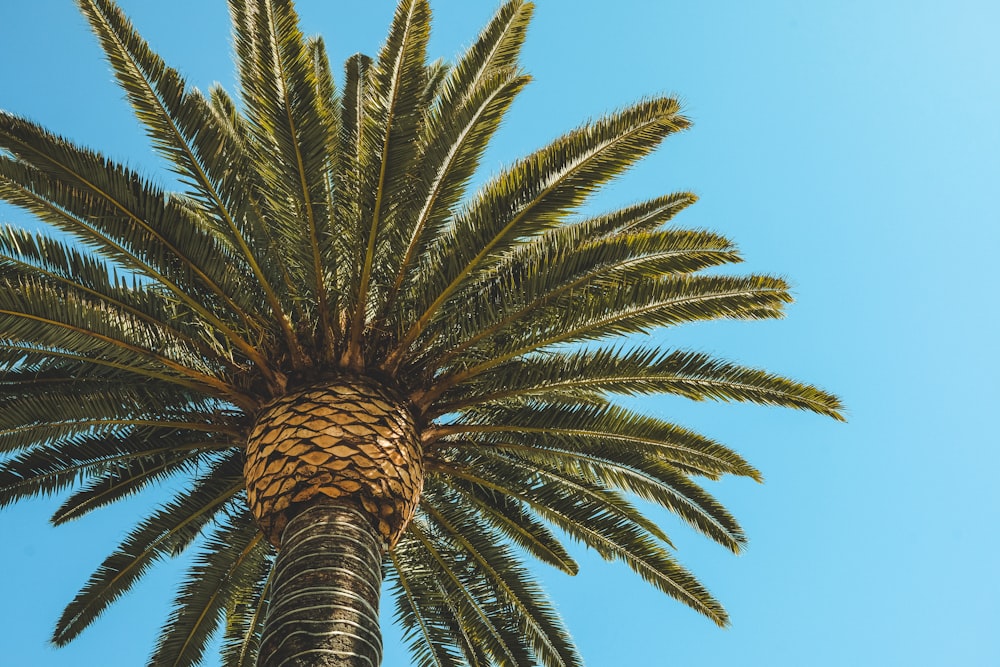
351, 439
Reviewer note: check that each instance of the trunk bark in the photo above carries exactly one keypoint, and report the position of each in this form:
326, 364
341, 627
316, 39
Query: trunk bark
325, 592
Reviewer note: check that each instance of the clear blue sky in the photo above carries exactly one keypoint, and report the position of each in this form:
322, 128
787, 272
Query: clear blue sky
852, 146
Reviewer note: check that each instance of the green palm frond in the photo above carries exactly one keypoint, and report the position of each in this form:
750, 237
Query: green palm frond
431, 624
516, 523
174, 116
393, 121
472, 99
114, 211
290, 143
607, 530
47, 317
514, 587
636, 371
650, 480
64, 392
597, 428
352, 205
473, 599
327, 247
128, 477
636, 307
557, 268
534, 195
26, 256
450, 151
166, 532
435, 76
49, 470
597, 497
497, 47
244, 617
643, 217
122, 218
228, 565
181, 126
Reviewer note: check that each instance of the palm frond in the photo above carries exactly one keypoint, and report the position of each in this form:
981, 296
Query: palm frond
516, 523
471, 100
607, 532
636, 307
228, 564
41, 391
46, 470
637, 371
245, 618
166, 532
291, 138
124, 219
535, 617
24, 255
127, 477
110, 209
351, 191
182, 126
46, 316
496, 48
553, 268
451, 147
651, 480
328, 102
535, 195
259, 209
430, 621
645, 216
586, 492
473, 598
595, 429
394, 118
436, 73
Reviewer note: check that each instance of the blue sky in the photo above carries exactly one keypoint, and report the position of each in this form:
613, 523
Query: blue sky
850, 146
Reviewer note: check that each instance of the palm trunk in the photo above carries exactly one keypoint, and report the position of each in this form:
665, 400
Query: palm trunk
325, 593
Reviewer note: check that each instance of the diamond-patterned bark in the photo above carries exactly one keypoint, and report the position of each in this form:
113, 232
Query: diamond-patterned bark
351, 439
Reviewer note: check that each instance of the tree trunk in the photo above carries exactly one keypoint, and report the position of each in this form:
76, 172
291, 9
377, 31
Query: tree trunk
325, 591
334, 472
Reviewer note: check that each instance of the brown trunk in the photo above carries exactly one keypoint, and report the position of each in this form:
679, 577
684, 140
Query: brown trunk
325, 592
350, 440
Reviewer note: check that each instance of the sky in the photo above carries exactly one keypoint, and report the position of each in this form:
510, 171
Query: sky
852, 147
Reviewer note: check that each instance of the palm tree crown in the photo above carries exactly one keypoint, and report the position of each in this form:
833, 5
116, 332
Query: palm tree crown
326, 317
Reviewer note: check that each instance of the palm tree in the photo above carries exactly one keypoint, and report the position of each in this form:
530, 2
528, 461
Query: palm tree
358, 368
